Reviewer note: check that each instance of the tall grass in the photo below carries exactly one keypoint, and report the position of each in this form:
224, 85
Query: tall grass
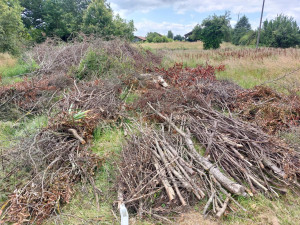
6, 60
245, 66
11, 69
183, 45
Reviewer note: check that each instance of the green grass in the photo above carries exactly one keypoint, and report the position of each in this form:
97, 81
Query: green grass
12, 73
261, 210
11, 130
18, 69
245, 77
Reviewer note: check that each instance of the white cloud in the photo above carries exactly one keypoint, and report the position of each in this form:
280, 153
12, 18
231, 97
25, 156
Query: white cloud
233, 22
144, 26
272, 7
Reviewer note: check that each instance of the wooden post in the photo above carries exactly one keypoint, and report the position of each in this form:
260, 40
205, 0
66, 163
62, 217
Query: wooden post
261, 16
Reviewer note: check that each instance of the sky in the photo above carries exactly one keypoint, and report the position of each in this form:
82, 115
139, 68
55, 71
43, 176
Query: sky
181, 16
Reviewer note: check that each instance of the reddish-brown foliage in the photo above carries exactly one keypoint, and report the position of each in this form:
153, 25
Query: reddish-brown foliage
268, 109
180, 76
30, 96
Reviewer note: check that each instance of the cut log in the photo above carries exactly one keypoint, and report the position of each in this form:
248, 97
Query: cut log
76, 135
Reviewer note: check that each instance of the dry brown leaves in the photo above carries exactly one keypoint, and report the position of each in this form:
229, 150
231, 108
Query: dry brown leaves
30, 96
268, 109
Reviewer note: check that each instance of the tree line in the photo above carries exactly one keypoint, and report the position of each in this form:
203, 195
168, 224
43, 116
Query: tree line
281, 32
32, 21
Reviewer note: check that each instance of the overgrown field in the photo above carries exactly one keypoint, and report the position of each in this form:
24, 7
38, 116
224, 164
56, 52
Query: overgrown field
178, 134
245, 66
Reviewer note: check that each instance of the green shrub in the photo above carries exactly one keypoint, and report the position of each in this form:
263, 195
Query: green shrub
157, 38
94, 64
281, 32
248, 39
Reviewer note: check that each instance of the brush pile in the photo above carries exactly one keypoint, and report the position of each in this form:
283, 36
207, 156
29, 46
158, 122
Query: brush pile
164, 167
30, 96
163, 173
58, 156
56, 57
201, 151
268, 109
178, 76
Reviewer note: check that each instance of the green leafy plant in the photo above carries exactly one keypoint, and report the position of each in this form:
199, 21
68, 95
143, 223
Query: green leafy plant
95, 63
77, 116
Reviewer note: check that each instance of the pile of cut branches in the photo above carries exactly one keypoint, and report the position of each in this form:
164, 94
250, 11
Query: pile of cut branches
57, 57
30, 96
218, 94
199, 152
178, 76
268, 109
163, 171
57, 156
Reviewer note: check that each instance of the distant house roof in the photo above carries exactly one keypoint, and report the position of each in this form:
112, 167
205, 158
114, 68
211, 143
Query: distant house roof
188, 34
141, 38
159, 34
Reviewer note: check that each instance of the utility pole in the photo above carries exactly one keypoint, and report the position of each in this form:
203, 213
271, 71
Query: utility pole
261, 16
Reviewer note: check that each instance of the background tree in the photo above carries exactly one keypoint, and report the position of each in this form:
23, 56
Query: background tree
226, 27
98, 19
196, 33
170, 34
214, 30
157, 38
11, 26
63, 18
122, 28
32, 15
282, 32
53, 17
241, 28
178, 37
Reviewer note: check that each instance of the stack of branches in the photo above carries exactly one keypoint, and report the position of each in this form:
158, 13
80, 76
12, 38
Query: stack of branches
57, 156
30, 96
238, 158
56, 57
252, 149
179, 76
98, 97
268, 109
162, 172
219, 94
